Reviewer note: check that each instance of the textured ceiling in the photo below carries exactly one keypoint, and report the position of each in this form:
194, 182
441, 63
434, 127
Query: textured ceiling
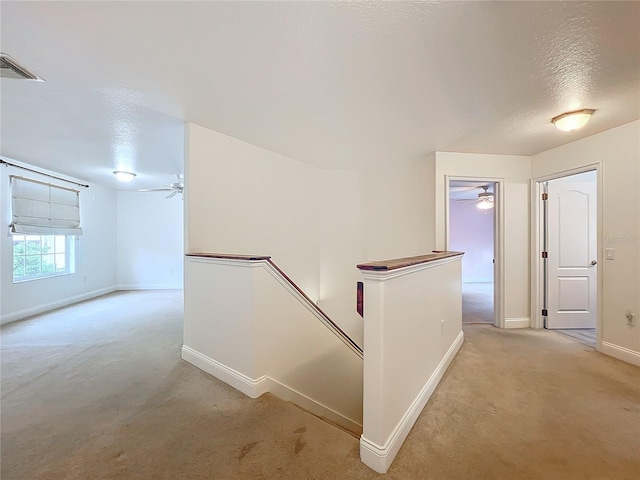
332, 84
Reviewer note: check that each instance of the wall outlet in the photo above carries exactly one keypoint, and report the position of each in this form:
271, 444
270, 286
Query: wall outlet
442, 324
631, 318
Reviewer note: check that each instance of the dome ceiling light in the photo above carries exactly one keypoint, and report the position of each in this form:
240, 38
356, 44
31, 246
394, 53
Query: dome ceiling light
571, 121
124, 176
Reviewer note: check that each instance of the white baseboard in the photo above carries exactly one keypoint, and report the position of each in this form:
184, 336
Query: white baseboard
150, 286
250, 387
477, 280
522, 322
621, 353
379, 457
45, 307
254, 388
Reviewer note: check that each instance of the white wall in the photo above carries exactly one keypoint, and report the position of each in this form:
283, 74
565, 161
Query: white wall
515, 171
270, 340
617, 151
316, 224
246, 200
96, 270
413, 329
471, 232
150, 241
398, 221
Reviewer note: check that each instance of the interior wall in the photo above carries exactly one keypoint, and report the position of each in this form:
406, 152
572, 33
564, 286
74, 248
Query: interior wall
96, 252
395, 210
618, 153
149, 241
515, 170
243, 199
316, 224
341, 225
471, 232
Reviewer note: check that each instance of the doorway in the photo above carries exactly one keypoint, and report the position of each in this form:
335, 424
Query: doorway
569, 260
472, 223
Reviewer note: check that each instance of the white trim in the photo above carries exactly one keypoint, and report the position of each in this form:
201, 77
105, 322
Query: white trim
250, 387
537, 321
621, 353
255, 387
150, 286
498, 239
521, 322
384, 275
380, 457
536, 291
45, 307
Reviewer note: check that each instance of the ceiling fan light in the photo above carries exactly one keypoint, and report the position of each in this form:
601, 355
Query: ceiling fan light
485, 204
571, 121
124, 176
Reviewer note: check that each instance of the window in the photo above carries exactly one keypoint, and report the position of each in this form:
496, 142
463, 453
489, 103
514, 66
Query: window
45, 222
41, 256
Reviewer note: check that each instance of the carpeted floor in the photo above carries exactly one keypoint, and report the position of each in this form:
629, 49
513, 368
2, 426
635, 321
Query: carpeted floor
477, 303
586, 336
98, 391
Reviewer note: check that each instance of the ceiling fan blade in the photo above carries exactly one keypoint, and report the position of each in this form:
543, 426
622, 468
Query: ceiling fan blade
155, 189
172, 194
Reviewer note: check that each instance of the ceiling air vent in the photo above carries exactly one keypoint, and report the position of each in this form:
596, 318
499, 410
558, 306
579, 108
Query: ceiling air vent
9, 68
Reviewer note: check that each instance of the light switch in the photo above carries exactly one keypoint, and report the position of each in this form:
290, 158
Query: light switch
609, 253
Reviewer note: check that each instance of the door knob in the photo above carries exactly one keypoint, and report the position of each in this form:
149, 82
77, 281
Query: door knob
593, 262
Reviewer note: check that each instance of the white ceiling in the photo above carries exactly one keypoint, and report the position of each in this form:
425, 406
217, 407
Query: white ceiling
336, 85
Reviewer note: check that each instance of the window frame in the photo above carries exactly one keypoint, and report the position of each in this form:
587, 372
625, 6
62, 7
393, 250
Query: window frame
70, 253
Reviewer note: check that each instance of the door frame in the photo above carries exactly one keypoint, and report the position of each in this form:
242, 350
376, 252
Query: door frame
537, 231
498, 239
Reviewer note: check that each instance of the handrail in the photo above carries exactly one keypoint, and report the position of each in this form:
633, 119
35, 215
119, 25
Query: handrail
385, 265
308, 302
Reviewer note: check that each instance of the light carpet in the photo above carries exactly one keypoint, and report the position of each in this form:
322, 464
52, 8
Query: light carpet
98, 391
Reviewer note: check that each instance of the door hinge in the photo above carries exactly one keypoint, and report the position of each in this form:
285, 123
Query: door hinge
545, 254
545, 196
544, 312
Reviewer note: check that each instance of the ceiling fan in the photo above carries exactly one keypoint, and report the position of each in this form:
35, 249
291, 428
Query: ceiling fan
175, 188
484, 201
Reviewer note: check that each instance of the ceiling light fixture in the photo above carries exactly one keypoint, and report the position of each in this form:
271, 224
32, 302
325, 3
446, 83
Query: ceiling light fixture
485, 204
124, 176
485, 199
570, 121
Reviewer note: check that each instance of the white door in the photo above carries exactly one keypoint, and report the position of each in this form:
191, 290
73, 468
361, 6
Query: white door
572, 253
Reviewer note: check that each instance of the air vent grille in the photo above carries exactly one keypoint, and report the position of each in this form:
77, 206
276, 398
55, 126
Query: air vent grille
9, 68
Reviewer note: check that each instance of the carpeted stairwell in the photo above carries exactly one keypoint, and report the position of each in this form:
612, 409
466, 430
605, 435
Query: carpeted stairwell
98, 391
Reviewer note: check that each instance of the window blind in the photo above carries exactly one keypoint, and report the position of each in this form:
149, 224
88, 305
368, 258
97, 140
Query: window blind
43, 208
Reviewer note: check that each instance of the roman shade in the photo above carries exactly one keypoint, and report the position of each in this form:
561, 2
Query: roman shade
40, 208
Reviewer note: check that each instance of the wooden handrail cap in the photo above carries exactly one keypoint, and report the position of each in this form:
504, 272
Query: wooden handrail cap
228, 256
385, 265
